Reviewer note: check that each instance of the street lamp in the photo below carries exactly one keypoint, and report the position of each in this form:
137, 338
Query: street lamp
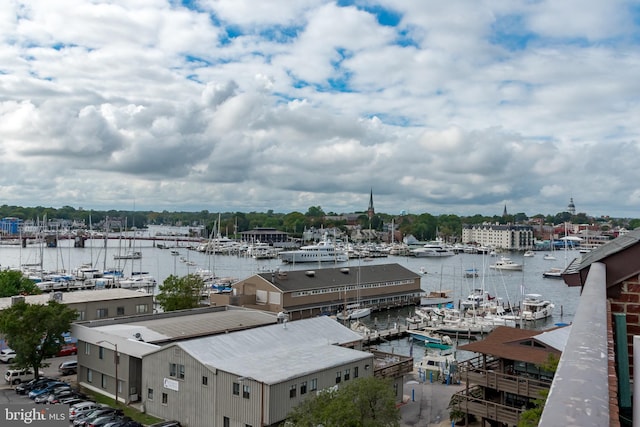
115, 362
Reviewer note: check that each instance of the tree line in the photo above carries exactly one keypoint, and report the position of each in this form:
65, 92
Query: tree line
424, 226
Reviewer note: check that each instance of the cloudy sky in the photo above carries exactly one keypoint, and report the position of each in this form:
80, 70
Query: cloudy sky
456, 107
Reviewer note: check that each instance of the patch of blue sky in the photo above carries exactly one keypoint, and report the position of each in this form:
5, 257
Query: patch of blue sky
384, 16
230, 33
194, 78
281, 34
188, 4
509, 31
634, 13
404, 39
197, 60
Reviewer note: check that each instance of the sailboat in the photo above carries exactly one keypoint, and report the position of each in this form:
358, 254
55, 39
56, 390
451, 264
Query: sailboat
556, 272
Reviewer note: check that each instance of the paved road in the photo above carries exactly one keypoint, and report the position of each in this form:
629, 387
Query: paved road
426, 404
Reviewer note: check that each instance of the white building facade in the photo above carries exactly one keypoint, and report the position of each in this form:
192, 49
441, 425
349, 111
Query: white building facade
509, 237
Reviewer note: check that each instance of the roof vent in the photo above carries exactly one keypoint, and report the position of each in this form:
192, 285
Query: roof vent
344, 270
310, 273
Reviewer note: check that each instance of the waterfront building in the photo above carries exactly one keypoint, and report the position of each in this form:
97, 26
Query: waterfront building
221, 366
93, 304
507, 375
265, 235
508, 237
309, 293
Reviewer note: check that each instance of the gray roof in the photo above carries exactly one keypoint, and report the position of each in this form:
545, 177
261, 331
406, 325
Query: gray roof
556, 338
276, 353
186, 324
74, 297
296, 280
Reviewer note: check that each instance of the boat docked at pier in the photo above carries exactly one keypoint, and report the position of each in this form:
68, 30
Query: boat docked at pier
430, 339
433, 250
534, 307
353, 312
323, 251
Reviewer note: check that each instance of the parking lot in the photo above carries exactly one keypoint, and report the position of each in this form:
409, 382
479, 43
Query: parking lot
7, 391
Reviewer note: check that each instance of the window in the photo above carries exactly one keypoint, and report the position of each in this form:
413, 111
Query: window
165, 398
205, 380
303, 387
89, 375
176, 370
181, 372
314, 384
292, 391
119, 311
246, 391
226, 422
355, 372
87, 348
347, 373
103, 380
236, 389
101, 313
81, 315
150, 394
142, 308
100, 352
338, 377
395, 389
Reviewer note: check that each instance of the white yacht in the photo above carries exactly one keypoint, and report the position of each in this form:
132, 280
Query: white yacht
323, 251
433, 249
536, 308
505, 263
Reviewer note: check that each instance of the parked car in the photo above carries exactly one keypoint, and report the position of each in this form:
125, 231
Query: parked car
63, 393
101, 420
17, 376
125, 422
85, 419
67, 350
24, 388
167, 424
44, 397
69, 400
46, 389
7, 355
82, 408
68, 368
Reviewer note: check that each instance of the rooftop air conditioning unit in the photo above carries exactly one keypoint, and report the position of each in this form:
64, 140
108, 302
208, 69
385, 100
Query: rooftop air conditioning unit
310, 273
17, 299
344, 270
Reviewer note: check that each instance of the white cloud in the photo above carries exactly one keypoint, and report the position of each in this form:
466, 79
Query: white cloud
236, 105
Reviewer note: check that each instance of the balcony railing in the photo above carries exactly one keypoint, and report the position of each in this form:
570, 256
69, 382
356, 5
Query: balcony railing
467, 401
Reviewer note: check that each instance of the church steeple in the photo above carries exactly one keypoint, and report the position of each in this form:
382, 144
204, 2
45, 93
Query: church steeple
504, 212
371, 211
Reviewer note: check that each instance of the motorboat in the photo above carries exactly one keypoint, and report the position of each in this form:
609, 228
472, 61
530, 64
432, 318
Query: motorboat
437, 364
323, 251
505, 263
476, 298
553, 273
529, 254
129, 255
437, 299
433, 250
431, 339
536, 308
549, 257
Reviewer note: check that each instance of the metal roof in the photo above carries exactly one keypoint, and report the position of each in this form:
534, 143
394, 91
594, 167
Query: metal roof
74, 297
296, 280
188, 324
276, 353
556, 338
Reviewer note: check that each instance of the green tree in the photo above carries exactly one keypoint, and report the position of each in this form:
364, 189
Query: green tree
180, 293
364, 402
531, 417
35, 331
13, 282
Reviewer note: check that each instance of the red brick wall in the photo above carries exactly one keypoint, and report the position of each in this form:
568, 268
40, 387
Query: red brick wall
628, 302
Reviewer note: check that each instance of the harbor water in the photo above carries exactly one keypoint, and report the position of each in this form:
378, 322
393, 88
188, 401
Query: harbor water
437, 274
